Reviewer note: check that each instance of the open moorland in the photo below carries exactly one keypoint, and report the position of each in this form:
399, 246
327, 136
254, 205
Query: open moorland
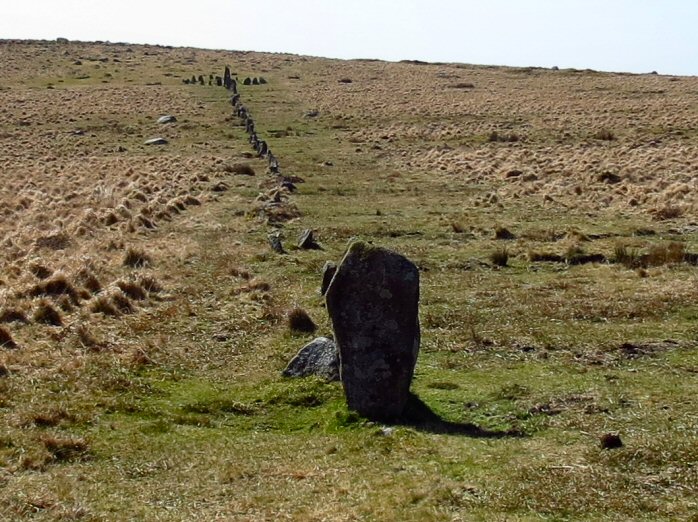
553, 215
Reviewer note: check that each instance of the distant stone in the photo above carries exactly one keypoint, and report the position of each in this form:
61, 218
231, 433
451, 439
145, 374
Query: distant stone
156, 141
275, 243
320, 357
262, 81
610, 178
345, 80
307, 241
167, 119
61, 40
373, 302
247, 81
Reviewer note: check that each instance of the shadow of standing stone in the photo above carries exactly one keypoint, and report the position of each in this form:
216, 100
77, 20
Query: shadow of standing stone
373, 302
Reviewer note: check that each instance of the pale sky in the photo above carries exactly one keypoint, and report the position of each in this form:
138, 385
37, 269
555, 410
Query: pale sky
608, 35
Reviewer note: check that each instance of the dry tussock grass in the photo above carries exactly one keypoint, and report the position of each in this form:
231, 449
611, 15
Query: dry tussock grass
429, 158
563, 157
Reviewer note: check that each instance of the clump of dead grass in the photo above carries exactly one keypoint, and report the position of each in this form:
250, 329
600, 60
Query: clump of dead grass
45, 313
136, 258
103, 305
6, 340
664, 254
40, 271
132, 289
300, 321
241, 169
50, 418
503, 233
667, 212
86, 278
604, 135
150, 284
13, 315
57, 286
65, 449
500, 257
122, 302
496, 137
86, 338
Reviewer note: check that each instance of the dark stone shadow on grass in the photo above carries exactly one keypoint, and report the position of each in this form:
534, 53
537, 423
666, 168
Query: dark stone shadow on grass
421, 417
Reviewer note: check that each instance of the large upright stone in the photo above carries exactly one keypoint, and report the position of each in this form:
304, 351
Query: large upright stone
373, 302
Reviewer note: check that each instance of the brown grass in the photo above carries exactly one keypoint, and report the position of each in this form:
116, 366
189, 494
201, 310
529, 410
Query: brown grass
6, 340
241, 169
45, 313
13, 315
299, 321
133, 290
137, 258
104, 305
150, 284
64, 449
500, 257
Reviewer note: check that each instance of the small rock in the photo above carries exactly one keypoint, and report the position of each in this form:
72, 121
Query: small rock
156, 141
221, 186
307, 241
319, 357
275, 243
167, 119
611, 441
610, 178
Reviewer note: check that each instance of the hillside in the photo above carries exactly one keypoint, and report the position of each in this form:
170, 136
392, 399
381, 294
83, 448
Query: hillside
552, 214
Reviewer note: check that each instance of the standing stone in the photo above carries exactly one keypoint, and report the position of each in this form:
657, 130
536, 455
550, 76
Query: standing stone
373, 302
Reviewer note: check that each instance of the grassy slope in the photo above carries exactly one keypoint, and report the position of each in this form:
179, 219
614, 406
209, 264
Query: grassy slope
188, 419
